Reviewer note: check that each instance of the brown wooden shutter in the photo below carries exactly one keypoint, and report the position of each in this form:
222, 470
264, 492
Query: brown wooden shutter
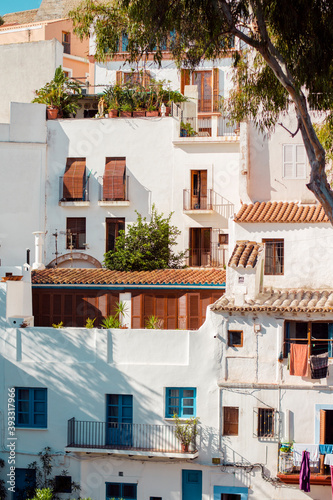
119, 77
74, 179
205, 302
182, 316
46, 319
103, 307
146, 79
148, 307
160, 312
184, 79
322, 435
114, 179
113, 298
193, 310
79, 310
136, 311
230, 421
67, 309
215, 89
171, 313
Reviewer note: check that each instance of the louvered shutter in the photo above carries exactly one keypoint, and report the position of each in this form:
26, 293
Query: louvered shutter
288, 169
119, 77
148, 307
67, 309
300, 162
74, 179
171, 312
114, 179
184, 79
204, 303
203, 189
136, 311
182, 317
46, 319
215, 89
193, 310
160, 303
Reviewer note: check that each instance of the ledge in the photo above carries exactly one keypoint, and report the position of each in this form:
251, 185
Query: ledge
199, 211
206, 140
315, 479
74, 203
120, 203
137, 453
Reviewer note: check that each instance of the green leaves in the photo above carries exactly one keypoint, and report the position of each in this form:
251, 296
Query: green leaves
146, 246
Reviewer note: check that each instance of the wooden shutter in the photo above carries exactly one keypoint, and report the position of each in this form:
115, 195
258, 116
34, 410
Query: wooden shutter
119, 77
113, 298
136, 311
79, 310
74, 179
322, 435
46, 319
67, 309
184, 79
182, 316
215, 89
146, 79
193, 310
171, 312
102, 308
114, 179
148, 307
205, 301
160, 309
230, 421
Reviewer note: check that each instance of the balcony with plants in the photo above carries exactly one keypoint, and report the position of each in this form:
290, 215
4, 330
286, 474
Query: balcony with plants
141, 439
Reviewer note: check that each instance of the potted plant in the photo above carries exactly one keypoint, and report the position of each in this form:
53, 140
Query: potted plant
113, 108
61, 96
186, 130
185, 431
126, 110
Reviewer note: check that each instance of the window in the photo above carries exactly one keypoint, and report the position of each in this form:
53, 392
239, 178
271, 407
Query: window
230, 421
180, 401
200, 246
199, 190
113, 226
235, 338
266, 422
63, 484
294, 162
74, 184
114, 179
207, 83
223, 239
66, 42
274, 257
318, 336
125, 491
133, 77
76, 233
31, 407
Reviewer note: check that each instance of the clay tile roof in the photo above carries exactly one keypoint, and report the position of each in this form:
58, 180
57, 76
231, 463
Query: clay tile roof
77, 276
245, 254
22, 17
268, 211
282, 301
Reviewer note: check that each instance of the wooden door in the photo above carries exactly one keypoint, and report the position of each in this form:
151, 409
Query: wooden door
198, 189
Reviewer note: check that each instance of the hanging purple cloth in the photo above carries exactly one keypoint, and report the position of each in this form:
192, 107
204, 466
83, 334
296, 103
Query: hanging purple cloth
304, 475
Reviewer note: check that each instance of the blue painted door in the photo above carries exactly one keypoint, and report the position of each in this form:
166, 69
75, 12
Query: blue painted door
119, 418
25, 484
191, 484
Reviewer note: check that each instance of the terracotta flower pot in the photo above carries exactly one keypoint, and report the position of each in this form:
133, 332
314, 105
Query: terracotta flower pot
184, 447
126, 114
113, 113
52, 113
151, 113
139, 113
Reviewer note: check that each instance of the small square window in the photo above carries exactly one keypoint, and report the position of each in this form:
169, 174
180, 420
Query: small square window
274, 257
180, 401
223, 239
235, 338
230, 421
31, 407
76, 233
63, 484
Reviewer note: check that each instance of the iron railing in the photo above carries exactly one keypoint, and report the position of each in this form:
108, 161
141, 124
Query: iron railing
225, 127
77, 191
210, 201
201, 257
203, 127
113, 191
116, 436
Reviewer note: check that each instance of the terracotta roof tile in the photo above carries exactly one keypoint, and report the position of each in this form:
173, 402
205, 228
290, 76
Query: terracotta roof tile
245, 254
287, 301
268, 211
106, 277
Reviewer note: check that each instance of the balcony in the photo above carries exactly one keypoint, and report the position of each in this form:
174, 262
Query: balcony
126, 439
77, 194
194, 204
215, 256
113, 192
211, 128
289, 474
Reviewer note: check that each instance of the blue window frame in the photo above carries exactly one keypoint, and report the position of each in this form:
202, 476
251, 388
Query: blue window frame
180, 401
126, 491
31, 407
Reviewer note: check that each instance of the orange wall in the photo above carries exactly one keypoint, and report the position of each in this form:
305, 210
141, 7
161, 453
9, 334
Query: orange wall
55, 29
11, 35
79, 68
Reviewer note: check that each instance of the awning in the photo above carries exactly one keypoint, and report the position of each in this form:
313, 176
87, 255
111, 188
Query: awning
114, 179
74, 179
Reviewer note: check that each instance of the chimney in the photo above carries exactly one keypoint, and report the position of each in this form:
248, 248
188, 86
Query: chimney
39, 242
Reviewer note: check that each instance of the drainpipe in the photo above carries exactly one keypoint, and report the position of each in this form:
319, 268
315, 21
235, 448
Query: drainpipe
39, 242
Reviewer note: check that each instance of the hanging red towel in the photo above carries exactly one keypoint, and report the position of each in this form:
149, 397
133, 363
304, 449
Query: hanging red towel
299, 360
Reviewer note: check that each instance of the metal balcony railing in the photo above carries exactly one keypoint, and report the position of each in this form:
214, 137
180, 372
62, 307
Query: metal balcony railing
224, 127
136, 437
203, 127
210, 201
77, 189
201, 257
114, 190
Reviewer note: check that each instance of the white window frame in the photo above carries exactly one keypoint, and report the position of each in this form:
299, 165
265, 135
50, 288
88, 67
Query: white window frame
294, 175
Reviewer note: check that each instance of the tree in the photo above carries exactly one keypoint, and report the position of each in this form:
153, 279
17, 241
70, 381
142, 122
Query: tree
292, 44
2, 21
146, 246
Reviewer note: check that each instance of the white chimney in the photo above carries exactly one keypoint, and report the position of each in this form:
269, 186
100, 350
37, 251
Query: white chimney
39, 242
